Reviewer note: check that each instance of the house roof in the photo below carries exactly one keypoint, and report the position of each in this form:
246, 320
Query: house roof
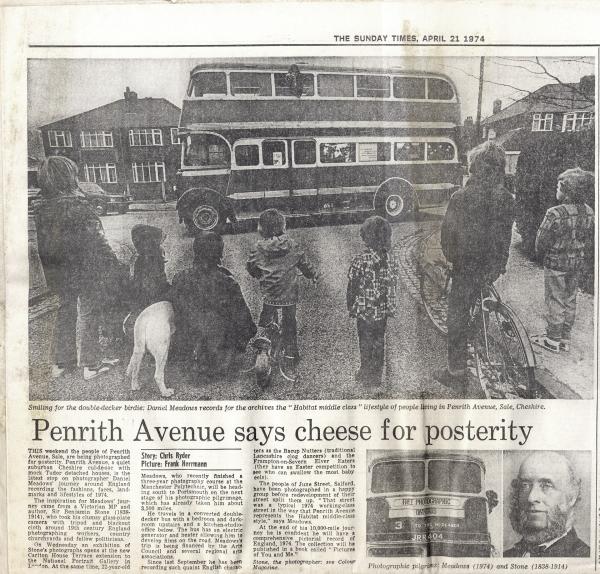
139, 113
548, 98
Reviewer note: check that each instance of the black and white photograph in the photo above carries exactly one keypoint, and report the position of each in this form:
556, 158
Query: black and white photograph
422, 504
547, 504
311, 228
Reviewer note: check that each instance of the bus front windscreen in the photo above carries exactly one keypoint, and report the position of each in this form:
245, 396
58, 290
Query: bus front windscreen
454, 476
398, 476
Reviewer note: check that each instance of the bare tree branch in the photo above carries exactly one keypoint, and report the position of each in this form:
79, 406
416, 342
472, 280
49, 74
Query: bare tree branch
559, 81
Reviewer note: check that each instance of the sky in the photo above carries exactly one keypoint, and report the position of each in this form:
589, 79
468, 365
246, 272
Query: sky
59, 88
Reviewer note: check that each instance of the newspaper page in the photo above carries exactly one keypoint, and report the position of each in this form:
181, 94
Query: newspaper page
299, 287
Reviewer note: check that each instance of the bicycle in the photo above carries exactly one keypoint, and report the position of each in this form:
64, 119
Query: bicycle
501, 349
270, 355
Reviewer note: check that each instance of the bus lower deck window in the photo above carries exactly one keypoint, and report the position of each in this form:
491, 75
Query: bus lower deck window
338, 152
305, 153
273, 153
246, 155
409, 151
440, 151
374, 151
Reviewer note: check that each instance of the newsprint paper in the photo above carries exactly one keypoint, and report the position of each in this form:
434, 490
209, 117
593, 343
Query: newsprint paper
299, 287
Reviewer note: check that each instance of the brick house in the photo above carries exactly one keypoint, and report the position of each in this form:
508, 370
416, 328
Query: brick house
128, 146
551, 108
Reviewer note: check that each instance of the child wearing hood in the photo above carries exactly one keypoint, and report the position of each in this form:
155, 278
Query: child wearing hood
564, 241
276, 262
371, 296
149, 278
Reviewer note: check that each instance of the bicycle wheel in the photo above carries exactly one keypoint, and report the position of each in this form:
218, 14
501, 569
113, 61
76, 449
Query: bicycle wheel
434, 288
503, 356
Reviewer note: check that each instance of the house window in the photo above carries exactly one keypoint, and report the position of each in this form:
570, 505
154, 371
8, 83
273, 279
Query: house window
100, 172
148, 136
96, 139
577, 121
148, 171
59, 138
175, 136
542, 122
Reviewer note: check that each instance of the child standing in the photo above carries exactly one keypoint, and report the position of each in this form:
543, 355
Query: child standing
276, 261
371, 296
564, 239
149, 278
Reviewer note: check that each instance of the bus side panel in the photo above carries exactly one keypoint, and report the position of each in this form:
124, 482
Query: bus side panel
264, 112
216, 182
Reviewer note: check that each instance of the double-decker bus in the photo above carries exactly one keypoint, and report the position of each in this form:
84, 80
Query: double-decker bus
320, 140
428, 504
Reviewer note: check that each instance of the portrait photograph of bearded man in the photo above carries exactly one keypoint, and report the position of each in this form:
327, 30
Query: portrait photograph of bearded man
547, 496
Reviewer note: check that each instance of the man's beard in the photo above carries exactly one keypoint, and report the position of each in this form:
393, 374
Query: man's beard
556, 524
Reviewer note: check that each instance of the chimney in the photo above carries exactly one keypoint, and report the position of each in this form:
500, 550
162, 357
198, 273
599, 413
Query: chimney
129, 95
587, 85
497, 106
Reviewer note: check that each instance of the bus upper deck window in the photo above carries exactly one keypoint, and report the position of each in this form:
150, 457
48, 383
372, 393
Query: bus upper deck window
246, 155
335, 85
338, 152
409, 88
208, 83
305, 152
440, 151
290, 85
372, 86
409, 151
398, 476
250, 83
439, 89
454, 476
273, 153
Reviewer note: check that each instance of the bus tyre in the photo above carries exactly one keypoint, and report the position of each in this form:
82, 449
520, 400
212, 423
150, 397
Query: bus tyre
395, 201
205, 217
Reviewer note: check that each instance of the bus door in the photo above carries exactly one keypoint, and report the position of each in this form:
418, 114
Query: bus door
304, 176
244, 182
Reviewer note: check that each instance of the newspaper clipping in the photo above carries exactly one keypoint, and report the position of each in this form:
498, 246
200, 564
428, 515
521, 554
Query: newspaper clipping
299, 288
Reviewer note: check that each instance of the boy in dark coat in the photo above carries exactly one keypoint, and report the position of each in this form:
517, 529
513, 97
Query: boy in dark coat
476, 236
149, 279
210, 310
276, 261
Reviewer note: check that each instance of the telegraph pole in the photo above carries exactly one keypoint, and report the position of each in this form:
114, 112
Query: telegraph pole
479, 98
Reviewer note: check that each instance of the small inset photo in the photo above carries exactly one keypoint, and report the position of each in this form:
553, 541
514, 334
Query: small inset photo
547, 504
433, 503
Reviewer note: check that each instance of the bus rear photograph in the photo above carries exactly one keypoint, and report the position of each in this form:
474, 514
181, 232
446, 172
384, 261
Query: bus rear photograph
311, 140
432, 504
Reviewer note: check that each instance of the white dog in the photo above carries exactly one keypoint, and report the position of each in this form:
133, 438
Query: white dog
152, 332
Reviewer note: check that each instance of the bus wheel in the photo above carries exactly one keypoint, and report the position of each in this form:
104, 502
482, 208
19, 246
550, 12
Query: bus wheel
206, 217
395, 201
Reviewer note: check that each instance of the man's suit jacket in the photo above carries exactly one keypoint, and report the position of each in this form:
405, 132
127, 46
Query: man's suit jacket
569, 546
